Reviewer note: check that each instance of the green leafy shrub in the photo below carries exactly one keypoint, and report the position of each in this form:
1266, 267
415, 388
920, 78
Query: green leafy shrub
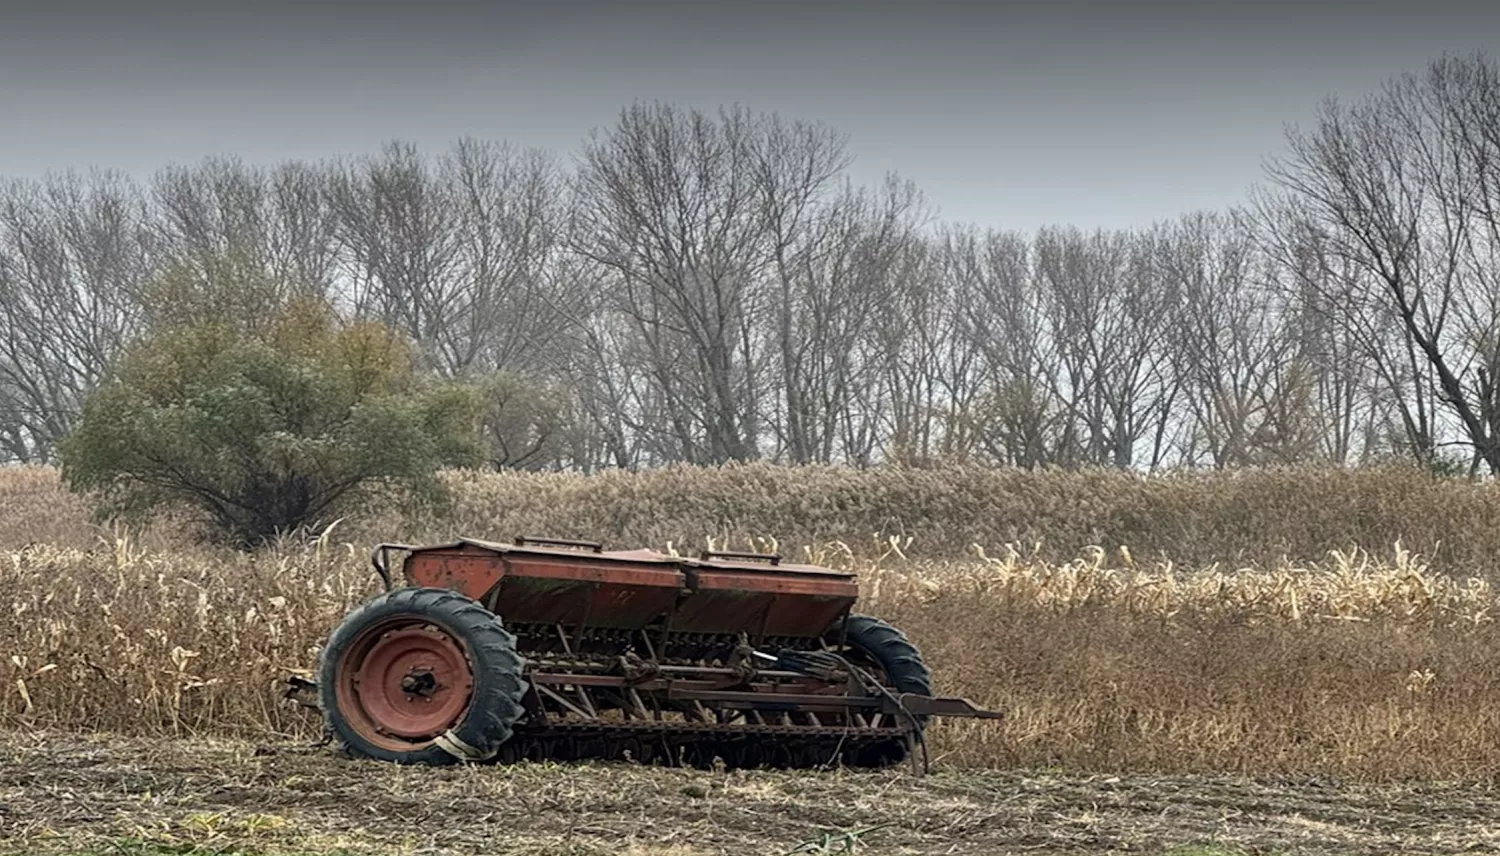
269, 431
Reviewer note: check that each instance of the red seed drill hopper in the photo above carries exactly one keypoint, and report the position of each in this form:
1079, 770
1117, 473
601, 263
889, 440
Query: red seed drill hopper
557, 649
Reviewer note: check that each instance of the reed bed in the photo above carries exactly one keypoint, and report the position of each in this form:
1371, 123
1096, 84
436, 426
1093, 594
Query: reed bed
1259, 517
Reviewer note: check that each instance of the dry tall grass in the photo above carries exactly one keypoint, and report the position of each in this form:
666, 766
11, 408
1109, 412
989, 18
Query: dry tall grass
1351, 667
1194, 519
1340, 665
1348, 667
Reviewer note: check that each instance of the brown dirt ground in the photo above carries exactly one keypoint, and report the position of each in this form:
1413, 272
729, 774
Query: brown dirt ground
77, 794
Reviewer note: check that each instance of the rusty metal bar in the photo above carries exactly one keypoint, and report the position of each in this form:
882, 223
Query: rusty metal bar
919, 705
772, 700
532, 540
715, 670
550, 693
772, 558
635, 699
380, 560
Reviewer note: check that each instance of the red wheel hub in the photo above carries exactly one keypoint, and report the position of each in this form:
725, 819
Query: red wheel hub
404, 682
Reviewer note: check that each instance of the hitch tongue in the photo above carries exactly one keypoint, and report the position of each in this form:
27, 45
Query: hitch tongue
920, 705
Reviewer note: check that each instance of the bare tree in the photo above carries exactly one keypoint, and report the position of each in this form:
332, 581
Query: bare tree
1236, 355
833, 286
397, 228
243, 239
1106, 314
996, 301
919, 319
690, 213
73, 257
1399, 188
504, 311
1368, 377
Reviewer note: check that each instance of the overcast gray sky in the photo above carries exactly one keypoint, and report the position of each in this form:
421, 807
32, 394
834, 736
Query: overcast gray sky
1013, 115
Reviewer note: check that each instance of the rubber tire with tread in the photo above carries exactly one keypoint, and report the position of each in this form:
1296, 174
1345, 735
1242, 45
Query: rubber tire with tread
904, 671
498, 684
890, 648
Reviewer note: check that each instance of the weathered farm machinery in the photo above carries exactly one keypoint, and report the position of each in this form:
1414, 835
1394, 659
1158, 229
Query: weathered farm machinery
558, 649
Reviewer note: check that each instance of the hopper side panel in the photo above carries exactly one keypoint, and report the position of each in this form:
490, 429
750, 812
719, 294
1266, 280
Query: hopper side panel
544, 590
722, 611
471, 574
764, 603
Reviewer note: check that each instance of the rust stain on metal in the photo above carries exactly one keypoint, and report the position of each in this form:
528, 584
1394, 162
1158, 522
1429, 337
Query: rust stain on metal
733, 655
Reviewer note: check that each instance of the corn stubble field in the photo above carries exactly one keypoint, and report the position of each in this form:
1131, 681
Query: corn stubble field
1263, 662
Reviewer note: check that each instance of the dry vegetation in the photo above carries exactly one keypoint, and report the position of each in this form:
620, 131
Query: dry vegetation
1377, 668
65, 796
1194, 519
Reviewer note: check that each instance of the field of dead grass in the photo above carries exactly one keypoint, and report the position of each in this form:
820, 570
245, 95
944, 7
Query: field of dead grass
1194, 519
1376, 667
1353, 667
64, 795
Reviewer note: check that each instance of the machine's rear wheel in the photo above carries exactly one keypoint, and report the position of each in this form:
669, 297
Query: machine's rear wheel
421, 676
871, 642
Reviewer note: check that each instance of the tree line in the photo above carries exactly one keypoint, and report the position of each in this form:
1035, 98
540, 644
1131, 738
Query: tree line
707, 287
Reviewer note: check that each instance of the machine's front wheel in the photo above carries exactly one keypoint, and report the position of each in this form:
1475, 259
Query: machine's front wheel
421, 676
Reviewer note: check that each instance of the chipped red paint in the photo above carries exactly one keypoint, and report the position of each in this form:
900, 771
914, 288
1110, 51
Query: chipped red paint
633, 589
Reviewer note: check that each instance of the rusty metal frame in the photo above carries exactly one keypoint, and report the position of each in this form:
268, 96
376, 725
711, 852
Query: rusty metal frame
772, 692
689, 607
380, 560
